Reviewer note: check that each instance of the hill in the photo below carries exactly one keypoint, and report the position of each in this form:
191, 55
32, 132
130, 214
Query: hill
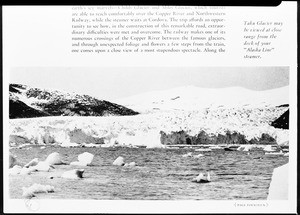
28, 102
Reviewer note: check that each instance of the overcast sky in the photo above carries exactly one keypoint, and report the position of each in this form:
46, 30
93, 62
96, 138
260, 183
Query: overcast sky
114, 83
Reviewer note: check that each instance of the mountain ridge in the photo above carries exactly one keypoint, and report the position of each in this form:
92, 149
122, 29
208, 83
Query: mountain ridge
26, 101
192, 97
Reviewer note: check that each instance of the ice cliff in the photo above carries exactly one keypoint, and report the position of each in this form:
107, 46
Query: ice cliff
198, 116
250, 126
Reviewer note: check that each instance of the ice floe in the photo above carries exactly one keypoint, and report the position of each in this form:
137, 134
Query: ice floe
119, 161
33, 162
43, 166
274, 153
84, 159
131, 164
15, 170
29, 192
202, 178
54, 159
189, 154
73, 174
27, 171
198, 156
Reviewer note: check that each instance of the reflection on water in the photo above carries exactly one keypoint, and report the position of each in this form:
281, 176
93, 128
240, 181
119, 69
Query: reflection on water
160, 174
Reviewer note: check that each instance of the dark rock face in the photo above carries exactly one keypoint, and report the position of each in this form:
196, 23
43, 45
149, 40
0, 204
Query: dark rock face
13, 88
18, 109
181, 137
55, 103
282, 121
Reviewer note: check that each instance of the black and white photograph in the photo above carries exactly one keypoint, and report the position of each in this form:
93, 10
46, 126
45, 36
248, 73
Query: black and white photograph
150, 109
211, 133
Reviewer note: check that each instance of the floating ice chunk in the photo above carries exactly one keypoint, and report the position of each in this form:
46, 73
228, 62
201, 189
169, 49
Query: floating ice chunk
278, 189
198, 156
187, 155
54, 159
274, 153
86, 157
119, 161
36, 188
91, 145
43, 166
27, 171
131, 164
269, 148
241, 148
73, 174
246, 148
27, 193
33, 162
202, 178
21, 146
15, 170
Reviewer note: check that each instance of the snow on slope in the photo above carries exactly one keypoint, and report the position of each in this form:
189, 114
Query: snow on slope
193, 98
26, 101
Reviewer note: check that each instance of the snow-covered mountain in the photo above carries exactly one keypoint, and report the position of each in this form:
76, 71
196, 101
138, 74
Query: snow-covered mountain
27, 102
194, 98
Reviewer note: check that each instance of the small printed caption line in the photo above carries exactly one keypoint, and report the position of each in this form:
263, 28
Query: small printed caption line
251, 204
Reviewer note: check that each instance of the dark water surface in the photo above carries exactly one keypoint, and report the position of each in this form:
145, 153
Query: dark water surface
160, 174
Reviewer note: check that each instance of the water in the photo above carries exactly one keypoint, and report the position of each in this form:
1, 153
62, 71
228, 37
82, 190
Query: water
161, 174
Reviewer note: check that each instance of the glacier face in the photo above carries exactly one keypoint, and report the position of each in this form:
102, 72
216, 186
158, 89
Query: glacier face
186, 115
228, 126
